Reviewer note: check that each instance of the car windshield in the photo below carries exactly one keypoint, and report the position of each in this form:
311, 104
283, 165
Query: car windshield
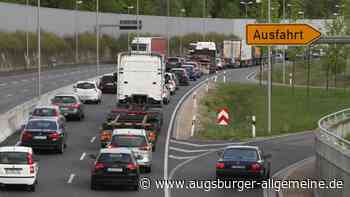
237, 154
139, 47
178, 72
13, 158
114, 158
85, 86
41, 125
44, 112
64, 99
107, 79
129, 141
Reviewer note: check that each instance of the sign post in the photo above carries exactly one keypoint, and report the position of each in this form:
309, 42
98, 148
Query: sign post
270, 34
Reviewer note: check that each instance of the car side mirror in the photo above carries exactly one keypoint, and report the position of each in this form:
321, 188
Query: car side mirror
267, 156
92, 156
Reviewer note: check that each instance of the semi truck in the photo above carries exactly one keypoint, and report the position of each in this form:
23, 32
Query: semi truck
206, 51
149, 45
140, 79
237, 53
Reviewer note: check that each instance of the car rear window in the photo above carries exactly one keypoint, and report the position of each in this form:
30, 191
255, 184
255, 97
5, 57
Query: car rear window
107, 79
85, 86
44, 112
129, 141
13, 158
173, 60
236, 154
64, 99
41, 125
114, 158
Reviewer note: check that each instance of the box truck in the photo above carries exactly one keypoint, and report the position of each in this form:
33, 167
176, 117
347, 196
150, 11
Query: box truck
140, 79
232, 53
149, 45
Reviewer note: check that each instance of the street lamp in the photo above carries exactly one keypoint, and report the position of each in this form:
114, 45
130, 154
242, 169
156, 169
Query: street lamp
204, 16
98, 37
76, 34
39, 49
246, 7
129, 8
27, 35
183, 11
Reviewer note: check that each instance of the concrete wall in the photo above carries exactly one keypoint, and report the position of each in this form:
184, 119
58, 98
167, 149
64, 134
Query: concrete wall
18, 17
333, 159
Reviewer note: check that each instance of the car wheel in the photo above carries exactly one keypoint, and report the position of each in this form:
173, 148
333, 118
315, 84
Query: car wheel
148, 169
93, 186
154, 148
60, 148
31, 188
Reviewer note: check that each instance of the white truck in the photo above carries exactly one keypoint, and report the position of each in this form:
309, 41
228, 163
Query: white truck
246, 54
140, 79
232, 53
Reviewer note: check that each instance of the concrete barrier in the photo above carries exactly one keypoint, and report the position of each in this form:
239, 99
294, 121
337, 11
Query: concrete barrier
12, 120
333, 153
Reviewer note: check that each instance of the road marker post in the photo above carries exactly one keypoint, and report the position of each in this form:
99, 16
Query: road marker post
253, 127
290, 79
193, 125
224, 77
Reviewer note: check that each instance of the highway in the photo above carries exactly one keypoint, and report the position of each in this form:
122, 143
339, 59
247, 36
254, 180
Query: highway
69, 174
16, 88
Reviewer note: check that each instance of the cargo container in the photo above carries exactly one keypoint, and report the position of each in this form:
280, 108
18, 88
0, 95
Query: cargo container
149, 45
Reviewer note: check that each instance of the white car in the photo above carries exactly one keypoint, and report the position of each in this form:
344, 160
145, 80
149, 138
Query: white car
88, 91
170, 82
137, 141
166, 95
17, 167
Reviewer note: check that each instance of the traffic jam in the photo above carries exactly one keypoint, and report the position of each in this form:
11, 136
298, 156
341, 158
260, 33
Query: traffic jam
143, 82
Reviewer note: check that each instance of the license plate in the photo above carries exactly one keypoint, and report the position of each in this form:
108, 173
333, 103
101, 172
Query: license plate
40, 137
109, 84
65, 114
13, 171
238, 167
115, 169
64, 108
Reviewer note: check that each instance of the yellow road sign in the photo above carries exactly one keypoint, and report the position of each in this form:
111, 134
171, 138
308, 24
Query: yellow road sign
281, 34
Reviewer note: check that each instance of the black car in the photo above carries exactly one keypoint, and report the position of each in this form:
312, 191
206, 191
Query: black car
243, 162
190, 72
181, 75
115, 167
45, 133
108, 84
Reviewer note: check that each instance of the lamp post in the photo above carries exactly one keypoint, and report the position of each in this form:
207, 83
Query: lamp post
246, 4
76, 34
204, 17
269, 89
27, 35
183, 11
130, 8
39, 49
284, 47
97, 37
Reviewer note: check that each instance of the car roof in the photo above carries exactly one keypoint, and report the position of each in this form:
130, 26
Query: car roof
116, 150
178, 69
41, 118
16, 149
93, 82
46, 107
126, 131
108, 74
67, 94
242, 147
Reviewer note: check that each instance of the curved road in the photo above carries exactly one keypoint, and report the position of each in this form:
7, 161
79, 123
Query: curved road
69, 174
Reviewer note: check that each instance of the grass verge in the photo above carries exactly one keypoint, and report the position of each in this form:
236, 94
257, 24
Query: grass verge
292, 111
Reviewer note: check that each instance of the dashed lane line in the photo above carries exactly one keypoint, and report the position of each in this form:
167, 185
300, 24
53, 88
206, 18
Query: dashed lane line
82, 156
93, 139
70, 179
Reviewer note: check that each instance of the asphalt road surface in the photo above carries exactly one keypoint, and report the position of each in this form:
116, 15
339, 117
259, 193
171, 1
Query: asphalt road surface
69, 174
18, 88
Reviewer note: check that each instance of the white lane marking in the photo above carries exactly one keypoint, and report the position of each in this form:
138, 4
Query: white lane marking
18, 143
180, 158
3, 84
9, 95
205, 145
189, 151
71, 177
170, 127
82, 156
93, 139
250, 75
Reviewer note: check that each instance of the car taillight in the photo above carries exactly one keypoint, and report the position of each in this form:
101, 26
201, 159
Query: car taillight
105, 136
75, 105
256, 167
26, 135
99, 166
29, 159
132, 166
220, 165
152, 136
54, 136
110, 146
146, 148
31, 169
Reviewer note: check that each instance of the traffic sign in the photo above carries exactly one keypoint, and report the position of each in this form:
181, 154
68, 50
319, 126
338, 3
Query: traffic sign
223, 117
281, 34
130, 25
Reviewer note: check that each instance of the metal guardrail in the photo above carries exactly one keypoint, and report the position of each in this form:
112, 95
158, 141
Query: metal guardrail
326, 126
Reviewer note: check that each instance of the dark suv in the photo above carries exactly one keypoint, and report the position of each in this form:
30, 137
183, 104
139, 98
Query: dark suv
70, 105
108, 84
